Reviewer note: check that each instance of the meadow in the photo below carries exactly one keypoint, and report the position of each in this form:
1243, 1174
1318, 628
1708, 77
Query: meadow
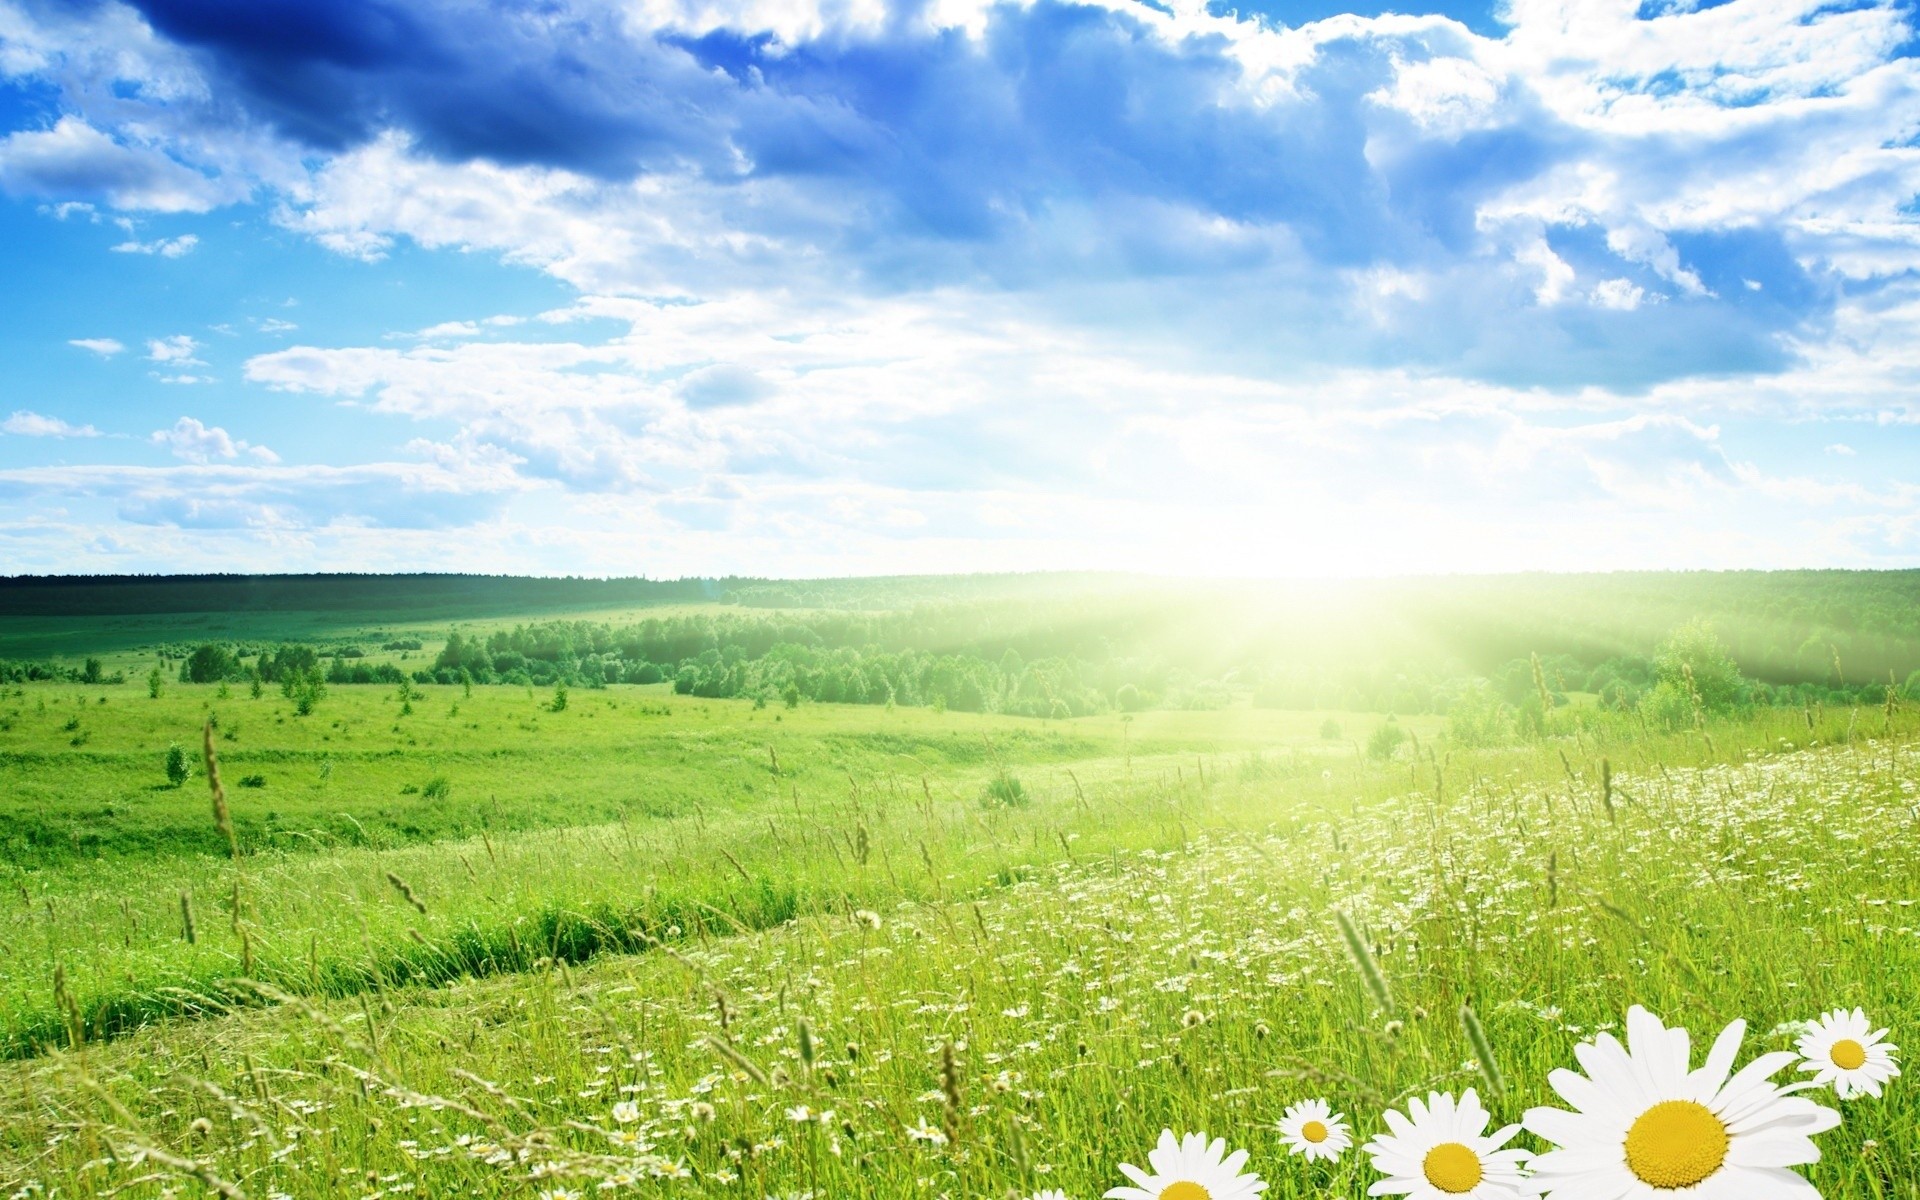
506, 940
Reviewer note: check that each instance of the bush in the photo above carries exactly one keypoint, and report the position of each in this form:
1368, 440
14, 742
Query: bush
306, 689
253, 781
437, 788
1329, 730
1385, 740
179, 769
1005, 791
1128, 699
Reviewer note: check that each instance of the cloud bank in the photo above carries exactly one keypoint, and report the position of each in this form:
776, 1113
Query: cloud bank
858, 272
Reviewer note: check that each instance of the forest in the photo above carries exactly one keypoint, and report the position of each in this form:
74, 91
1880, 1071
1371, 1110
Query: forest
1492, 653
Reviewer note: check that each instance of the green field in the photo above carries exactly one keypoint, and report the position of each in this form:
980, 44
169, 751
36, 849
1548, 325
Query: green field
478, 942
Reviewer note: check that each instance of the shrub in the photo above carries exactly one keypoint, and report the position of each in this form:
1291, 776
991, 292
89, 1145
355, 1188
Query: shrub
1005, 790
437, 788
1385, 740
1329, 730
179, 770
253, 781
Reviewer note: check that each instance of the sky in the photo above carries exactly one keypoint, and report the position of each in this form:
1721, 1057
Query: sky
834, 287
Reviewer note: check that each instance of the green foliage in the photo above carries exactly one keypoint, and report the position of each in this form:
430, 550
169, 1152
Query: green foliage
1005, 790
155, 682
1129, 699
305, 688
209, 663
1694, 661
437, 788
559, 703
1385, 740
1330, 730
179, 767
1478, 717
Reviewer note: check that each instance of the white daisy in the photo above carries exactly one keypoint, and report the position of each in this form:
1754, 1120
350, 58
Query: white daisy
1446, 1152
1645, 1124
1050, 1194
1312, 1128
1842, 1049
1190, 1168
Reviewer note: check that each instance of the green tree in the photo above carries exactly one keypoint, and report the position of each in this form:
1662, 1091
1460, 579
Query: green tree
208, 663
1128, 699
155, 682
305, 688
1695, 663
179, 770
1385, 740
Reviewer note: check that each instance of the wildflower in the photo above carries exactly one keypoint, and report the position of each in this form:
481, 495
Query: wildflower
626, 1112
1189, 1168
1840, 1049
1312, 1128
1444, 1151
924, 1132
1645, 1120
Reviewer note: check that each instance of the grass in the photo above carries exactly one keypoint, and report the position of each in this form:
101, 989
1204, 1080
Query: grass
869, 975
570, 834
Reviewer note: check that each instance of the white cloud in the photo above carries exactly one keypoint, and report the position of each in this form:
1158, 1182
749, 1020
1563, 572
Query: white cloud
195, 442
1622, 295
32, 424
104, 347
74, 158
175, 247
178, 351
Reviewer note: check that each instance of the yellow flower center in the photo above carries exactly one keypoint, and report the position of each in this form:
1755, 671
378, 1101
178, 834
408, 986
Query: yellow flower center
1314, 1131
1848, 1054
1186, 1189
1676, 1144
1453, 1168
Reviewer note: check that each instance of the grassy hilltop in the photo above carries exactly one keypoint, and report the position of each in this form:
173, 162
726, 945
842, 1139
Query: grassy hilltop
980, 933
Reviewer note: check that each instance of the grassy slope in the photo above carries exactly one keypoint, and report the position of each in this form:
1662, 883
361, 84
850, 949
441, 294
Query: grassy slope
1161, 952
582, 825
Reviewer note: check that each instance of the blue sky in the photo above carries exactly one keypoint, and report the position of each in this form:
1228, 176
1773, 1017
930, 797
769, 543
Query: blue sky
782, 287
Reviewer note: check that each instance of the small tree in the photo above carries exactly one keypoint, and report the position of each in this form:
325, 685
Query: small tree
179, 770
155, 682
306, 689
1694, 662
1128, 699
791, 695
559, 698
1005, 790
1385, 740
